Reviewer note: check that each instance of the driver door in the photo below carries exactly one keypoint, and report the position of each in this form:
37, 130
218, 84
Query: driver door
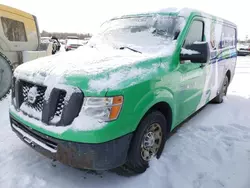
192, 75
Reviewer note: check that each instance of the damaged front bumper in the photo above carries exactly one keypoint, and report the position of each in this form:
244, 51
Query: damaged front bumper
101, 156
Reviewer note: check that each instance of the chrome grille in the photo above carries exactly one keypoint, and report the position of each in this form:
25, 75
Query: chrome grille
38, 104
60, 104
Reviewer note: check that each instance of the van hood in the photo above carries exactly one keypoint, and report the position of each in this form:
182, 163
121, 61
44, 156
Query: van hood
91, 69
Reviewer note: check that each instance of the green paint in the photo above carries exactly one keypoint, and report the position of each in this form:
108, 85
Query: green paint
178, 85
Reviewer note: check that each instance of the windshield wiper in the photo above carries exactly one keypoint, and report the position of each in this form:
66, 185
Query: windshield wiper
123, 47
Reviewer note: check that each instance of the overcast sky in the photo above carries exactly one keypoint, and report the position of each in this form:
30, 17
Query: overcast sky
86, 16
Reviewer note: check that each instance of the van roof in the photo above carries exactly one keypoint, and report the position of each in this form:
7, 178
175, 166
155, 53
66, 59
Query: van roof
185, 12
15, 11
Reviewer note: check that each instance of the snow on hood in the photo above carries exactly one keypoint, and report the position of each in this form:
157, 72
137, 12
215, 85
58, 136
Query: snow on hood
87, 63
82, 61
123, 77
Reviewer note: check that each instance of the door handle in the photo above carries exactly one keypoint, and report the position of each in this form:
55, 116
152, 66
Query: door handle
202, 65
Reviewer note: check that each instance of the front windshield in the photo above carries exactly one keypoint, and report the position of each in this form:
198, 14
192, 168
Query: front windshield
145, 33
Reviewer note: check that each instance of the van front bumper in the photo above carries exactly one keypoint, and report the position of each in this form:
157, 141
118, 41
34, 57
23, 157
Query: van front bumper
101, 156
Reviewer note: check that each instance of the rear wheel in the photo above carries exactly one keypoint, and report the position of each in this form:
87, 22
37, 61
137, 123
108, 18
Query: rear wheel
6, 73
223, 91
147, 143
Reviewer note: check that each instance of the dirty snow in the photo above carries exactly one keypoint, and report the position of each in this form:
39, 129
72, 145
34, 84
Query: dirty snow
212, 150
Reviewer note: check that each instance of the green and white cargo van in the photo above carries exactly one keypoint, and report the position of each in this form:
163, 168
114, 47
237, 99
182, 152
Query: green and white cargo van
111, 103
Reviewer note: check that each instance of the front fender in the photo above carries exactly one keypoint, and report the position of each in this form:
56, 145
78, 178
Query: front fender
150, 99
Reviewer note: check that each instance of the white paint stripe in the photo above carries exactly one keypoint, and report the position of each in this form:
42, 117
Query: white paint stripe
30, 138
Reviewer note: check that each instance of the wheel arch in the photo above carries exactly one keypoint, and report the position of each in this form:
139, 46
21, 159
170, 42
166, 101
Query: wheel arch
160, 99
163, 107
166, 110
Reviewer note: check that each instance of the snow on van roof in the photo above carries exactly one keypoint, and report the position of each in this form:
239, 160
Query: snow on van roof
171, 10
180, 11
183, 11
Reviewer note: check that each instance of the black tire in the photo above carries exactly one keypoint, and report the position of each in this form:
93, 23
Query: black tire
54, 49
53, 52
223, 91
6, 73
135, 163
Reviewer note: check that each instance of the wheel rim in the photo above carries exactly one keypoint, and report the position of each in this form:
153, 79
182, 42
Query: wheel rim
151, 142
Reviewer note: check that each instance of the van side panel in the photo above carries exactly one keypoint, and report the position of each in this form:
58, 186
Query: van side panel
222, 41
30, 31
195, 92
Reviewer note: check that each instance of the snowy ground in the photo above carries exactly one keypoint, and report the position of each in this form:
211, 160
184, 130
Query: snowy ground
212, 150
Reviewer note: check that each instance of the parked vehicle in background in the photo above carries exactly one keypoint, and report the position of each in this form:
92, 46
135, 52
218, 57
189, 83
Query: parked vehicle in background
62, 41
45, 39
84, 42
72, 44
113, 103
243, 50
54, 41
20, 42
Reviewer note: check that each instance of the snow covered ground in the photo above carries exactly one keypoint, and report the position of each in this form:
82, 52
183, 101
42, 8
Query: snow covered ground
212, 150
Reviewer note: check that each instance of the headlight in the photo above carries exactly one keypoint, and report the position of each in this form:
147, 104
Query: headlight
103, 108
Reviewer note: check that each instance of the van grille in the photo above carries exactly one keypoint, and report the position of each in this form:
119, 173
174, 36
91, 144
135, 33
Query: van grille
38, 104
57, 110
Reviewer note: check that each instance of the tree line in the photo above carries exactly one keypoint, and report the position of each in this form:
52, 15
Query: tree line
61, 35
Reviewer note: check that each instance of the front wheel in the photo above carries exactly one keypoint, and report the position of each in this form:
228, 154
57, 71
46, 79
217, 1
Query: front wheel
147, 143
223, 91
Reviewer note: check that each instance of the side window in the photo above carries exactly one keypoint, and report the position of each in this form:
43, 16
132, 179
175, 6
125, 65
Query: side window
195, 33
228, 37
14, 30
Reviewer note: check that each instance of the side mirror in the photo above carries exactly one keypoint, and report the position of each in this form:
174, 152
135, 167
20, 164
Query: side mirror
198, 52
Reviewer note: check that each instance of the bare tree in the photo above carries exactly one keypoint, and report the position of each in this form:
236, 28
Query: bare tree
64, 35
